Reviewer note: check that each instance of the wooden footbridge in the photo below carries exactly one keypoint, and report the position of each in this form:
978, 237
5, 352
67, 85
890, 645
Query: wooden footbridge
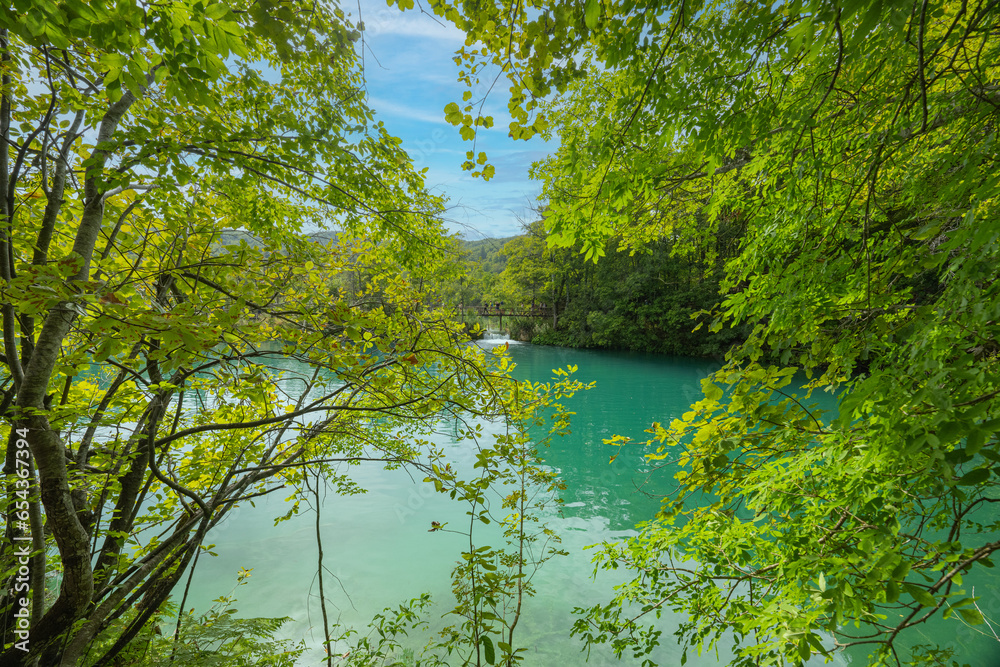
498, 310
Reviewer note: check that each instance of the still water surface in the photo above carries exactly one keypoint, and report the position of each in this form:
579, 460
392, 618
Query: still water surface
378, 547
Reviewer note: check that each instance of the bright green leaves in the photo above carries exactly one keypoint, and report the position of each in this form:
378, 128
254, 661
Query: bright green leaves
216, 11
848, 166
489, 652
975, 478
207, 350
856, 523
920, 594
462, 118
712, 391
592, 13
453, 114
114, 63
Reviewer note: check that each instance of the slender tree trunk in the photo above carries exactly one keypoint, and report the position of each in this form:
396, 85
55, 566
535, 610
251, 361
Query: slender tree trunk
46, 446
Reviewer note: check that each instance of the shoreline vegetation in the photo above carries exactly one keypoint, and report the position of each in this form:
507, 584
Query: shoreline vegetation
650, 301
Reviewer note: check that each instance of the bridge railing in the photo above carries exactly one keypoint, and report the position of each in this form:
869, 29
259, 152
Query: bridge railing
487, 311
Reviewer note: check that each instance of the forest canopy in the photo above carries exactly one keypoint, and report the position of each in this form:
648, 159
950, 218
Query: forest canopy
846, 151
852, 145
174, 345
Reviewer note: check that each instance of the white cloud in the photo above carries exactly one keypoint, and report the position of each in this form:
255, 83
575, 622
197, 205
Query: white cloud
381, 20
384, 107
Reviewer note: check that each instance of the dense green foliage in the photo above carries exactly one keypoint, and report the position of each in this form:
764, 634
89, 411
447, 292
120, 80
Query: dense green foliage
832, 164
216, 637
173, 346
857, 141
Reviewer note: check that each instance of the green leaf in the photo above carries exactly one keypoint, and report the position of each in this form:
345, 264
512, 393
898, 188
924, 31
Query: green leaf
901, 570
977, 476
216, 11
488, 650
453, 114
891, 592
972, 616
920, 594
803, 648
974, 442
592, 13
712, 391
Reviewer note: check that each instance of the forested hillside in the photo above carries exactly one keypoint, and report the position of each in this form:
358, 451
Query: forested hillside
647, 301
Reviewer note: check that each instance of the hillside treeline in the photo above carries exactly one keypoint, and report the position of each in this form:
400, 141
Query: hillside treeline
646, 300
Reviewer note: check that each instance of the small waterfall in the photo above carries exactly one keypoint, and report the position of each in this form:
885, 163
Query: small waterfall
491, 339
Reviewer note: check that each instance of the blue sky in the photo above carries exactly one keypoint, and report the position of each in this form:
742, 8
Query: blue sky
410, 77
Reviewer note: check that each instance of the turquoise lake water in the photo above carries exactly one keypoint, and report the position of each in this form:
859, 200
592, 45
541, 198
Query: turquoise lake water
380, 553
